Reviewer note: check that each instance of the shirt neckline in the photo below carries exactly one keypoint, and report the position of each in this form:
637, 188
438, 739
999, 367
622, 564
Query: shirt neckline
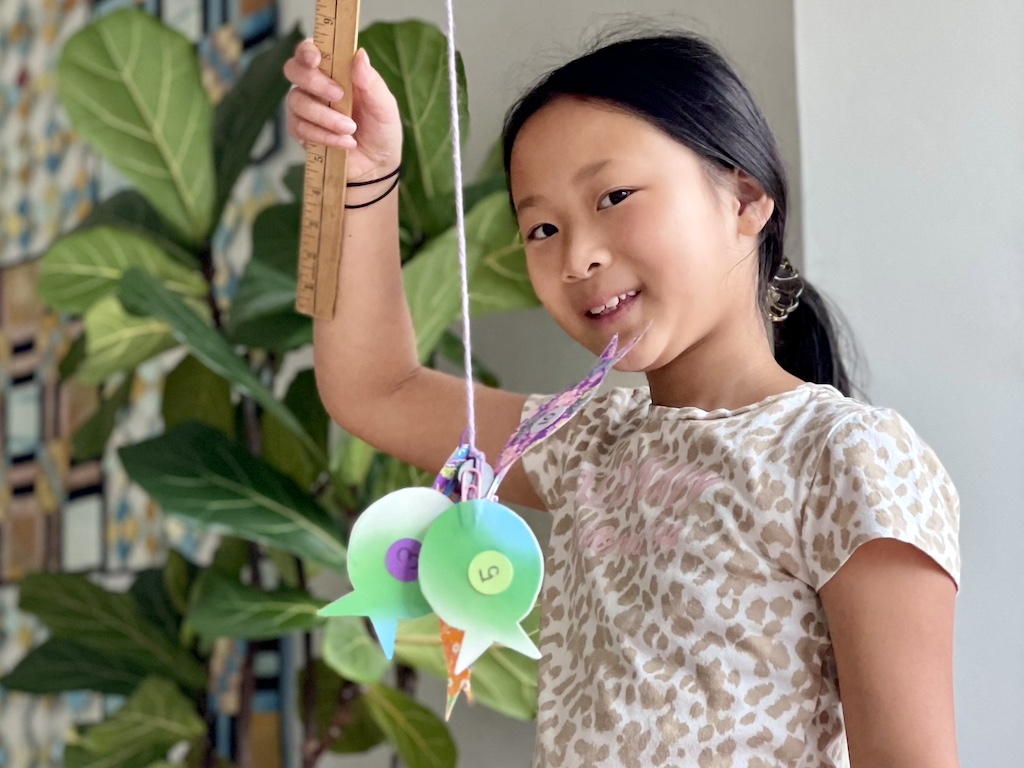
694, 413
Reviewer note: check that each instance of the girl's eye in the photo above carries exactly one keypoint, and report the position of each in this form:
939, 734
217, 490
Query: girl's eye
541, 232
614, 197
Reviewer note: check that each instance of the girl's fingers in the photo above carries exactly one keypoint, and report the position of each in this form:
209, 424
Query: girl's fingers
310, 109
312, 80
305, 131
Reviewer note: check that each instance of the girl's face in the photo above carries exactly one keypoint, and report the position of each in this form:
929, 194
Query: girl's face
624, 229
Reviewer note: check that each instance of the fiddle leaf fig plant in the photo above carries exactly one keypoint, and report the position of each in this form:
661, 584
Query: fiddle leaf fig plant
266, 474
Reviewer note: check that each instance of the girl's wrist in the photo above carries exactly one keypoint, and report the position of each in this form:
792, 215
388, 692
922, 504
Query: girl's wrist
388, 182
382, 166
375, 177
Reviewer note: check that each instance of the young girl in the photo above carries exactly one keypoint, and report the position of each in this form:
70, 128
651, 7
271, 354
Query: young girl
739, 547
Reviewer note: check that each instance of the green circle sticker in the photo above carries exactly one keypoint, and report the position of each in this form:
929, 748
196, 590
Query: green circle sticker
490, 573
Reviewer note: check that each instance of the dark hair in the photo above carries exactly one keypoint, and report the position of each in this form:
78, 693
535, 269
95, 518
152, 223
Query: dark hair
682, 85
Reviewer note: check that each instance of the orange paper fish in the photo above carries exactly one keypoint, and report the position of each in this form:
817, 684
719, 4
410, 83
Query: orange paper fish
451, 642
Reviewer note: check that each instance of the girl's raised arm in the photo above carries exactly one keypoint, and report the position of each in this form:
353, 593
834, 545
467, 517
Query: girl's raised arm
367, 368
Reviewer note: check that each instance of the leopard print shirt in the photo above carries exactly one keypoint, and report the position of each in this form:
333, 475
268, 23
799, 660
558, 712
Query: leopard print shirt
681, 621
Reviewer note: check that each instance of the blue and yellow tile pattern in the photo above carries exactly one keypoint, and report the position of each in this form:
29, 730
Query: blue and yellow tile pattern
56, 514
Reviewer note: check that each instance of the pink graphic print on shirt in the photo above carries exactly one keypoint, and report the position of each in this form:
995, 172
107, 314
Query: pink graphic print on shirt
657, 483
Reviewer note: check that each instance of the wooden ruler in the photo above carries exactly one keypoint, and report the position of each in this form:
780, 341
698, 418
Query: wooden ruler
323, 204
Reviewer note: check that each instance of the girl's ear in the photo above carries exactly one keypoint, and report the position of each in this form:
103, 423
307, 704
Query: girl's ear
755, 207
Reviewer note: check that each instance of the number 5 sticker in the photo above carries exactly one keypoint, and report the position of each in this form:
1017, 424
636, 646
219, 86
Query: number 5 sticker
490, 573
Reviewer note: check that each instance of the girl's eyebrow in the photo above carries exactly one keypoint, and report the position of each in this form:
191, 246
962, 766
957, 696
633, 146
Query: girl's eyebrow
584, 173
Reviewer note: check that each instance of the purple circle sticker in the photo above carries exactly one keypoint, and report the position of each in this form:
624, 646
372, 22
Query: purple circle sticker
403, 559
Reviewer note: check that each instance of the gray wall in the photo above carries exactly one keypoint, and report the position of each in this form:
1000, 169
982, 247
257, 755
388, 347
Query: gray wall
912, 129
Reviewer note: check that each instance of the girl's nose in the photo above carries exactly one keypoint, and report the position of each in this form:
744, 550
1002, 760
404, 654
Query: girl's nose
582, 260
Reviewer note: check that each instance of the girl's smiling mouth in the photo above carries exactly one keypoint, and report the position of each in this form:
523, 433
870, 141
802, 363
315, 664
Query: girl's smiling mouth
605, 309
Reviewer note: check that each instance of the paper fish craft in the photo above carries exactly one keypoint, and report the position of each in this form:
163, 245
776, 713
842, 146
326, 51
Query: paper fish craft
454, 550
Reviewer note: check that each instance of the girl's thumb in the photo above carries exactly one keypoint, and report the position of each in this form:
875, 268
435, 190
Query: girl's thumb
362, 71
369, 86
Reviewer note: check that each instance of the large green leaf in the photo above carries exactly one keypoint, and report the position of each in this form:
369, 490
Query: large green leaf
266, 318
358, 733
156, 716
491, 177
77, 610
192, 392
494, 162
417, 734
223, 607
500, 282
125, 756
232, 555
503, 680
351, 652
178, 576
454, 351
90, 439
143, 294
418, 644
133, 89
117, 341
431, 278
303, 399
388, 474
196, 757
506, 681
432, 287
295, 180
280, 446
154, 602
58, 665
361, 733
73, 359
263, 311
412, 57
242, 114
129, 211
286, 565
486, 187
198, 473
352, 459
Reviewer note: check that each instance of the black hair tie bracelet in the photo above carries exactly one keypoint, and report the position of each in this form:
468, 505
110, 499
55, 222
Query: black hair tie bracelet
397, 172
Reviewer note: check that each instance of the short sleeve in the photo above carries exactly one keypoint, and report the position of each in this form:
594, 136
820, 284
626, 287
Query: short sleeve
877, 479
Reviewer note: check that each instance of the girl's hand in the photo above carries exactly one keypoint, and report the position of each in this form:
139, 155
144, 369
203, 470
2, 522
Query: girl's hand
373, 135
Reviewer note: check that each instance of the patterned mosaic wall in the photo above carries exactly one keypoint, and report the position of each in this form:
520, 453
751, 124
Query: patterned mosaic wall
86, 517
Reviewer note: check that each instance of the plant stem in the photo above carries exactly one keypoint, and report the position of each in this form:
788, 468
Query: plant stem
406, 683
309, 682
209, 759
247, 684
407, 679
254, 441
243, 726
322, 484
205, 255
251, 421
347, 696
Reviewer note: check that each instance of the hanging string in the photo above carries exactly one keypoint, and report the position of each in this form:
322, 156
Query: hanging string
460, 225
